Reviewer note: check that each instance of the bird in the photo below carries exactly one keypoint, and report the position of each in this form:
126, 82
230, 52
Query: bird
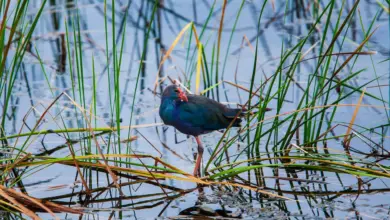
196, 115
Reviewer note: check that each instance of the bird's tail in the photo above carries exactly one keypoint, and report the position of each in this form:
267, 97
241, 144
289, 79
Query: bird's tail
254, 113
232, 113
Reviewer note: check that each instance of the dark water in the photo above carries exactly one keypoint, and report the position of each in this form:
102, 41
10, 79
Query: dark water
321, 196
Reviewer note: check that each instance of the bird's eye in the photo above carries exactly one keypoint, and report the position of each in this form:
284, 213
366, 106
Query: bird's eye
176, 90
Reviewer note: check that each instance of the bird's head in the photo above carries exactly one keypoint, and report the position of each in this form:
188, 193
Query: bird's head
174, 92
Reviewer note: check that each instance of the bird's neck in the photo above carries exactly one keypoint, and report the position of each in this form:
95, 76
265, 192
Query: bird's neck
170, 101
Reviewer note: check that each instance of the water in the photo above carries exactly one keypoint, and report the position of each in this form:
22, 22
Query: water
312, 194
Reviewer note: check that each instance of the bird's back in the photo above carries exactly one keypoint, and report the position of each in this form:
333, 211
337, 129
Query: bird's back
202, 115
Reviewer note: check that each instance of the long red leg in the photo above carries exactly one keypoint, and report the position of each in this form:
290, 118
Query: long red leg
199, 157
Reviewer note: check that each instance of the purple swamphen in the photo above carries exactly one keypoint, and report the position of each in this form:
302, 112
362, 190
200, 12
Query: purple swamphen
196, 115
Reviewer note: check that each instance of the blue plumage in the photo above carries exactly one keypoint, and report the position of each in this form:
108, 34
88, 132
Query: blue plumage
199, 115
196, 115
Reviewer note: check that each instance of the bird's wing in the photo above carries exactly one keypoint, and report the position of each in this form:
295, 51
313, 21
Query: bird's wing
202, 112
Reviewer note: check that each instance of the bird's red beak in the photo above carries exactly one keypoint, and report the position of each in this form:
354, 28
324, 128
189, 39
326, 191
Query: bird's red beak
182, 95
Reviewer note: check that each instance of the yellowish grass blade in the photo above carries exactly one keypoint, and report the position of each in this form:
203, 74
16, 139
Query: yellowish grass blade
211, 87
198, 68
386, 9
169, 51
195, 34
25, 210
347, 140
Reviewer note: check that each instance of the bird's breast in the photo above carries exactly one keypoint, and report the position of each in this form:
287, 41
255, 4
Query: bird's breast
168, 111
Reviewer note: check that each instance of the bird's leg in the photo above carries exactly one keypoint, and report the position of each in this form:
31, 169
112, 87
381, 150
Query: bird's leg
199, 157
